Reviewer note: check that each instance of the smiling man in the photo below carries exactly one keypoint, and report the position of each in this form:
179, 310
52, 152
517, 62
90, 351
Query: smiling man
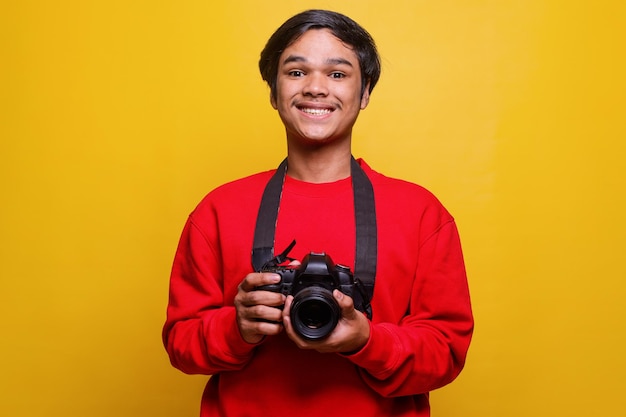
377, 312
318, 97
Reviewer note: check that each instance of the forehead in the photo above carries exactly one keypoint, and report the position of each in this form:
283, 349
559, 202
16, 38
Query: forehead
319, 45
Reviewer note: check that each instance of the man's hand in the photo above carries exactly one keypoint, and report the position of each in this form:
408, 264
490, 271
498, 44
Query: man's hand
350, 335
258, 312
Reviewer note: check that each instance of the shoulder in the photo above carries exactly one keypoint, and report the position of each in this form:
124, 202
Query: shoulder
401, 196
254, 183
396, 187
239, 193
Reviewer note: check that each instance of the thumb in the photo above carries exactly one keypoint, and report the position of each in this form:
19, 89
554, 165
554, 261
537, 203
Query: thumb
346, 304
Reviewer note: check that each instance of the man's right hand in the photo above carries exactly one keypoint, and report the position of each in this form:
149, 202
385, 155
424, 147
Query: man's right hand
259, 312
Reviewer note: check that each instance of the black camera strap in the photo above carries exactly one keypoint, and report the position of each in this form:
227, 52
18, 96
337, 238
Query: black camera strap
365, 220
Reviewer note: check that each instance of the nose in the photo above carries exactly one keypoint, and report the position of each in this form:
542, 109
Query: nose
316, 85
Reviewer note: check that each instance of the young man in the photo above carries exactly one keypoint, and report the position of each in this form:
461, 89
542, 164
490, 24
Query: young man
321, 68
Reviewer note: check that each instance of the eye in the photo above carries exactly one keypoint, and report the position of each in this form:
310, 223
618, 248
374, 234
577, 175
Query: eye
337, 75
296, 73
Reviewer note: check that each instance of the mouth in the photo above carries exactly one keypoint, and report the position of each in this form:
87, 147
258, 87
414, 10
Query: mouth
315, 111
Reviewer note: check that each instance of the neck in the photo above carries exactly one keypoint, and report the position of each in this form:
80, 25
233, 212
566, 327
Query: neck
319, 167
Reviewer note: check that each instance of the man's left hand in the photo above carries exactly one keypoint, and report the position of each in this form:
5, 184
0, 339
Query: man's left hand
349, 336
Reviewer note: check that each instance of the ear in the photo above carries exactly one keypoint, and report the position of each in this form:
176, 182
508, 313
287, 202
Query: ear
365, 97
273, 101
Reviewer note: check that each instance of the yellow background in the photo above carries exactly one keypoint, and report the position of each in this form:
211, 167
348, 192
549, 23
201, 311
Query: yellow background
118, 116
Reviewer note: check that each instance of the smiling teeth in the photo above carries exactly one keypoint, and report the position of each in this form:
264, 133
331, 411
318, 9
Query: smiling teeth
317, 112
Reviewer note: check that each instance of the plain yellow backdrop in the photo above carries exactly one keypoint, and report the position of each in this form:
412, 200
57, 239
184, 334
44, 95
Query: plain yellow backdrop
118, 116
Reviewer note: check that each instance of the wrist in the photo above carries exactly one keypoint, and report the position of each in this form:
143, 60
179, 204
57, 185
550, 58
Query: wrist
361, 339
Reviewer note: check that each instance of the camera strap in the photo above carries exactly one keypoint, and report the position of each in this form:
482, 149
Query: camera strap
365, 220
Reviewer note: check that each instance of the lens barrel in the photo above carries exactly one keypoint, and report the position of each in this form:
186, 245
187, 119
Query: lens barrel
314, 313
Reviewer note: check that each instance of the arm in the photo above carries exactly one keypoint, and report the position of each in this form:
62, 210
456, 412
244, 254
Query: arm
427, 349
200, 333
204, 332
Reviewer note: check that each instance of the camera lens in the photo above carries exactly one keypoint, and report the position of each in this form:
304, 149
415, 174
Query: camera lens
314, 313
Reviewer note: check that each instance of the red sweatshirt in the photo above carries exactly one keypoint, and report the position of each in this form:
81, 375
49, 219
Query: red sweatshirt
422, 321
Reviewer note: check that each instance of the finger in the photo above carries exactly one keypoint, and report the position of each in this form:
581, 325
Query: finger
263, 313
268, 328
260, 297
345, 302
253, 331
302, 344
257, 279
286, 311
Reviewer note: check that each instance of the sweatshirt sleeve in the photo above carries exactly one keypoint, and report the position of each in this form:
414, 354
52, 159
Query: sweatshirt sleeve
200, 333
427, 349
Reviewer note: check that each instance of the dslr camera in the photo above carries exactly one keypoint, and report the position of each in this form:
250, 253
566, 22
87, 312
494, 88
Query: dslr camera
314, 311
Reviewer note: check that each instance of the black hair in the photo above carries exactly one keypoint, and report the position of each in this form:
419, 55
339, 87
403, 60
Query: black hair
344, 28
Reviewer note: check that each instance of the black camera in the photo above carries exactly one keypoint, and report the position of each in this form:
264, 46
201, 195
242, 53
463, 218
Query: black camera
314, 311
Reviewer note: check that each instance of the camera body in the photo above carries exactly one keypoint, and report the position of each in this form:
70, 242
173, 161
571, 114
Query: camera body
314, 311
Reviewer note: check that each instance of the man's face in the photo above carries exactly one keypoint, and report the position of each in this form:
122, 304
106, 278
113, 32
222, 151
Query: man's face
318, 89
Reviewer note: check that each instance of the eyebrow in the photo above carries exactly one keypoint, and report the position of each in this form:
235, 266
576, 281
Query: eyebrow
329, 61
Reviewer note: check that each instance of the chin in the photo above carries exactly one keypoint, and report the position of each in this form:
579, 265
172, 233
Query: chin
317, 138
315, 141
